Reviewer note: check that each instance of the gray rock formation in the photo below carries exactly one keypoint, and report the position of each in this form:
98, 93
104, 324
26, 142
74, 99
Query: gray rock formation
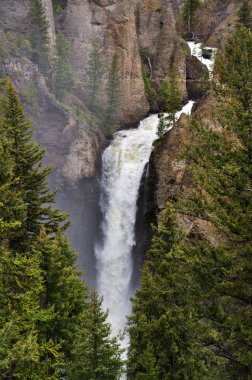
159, 40
197, 78
216, 21
69, 130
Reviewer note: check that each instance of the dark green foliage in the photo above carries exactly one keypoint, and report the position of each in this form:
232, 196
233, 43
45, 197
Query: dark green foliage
95, 354
43, 303
192, 316
64, 290
235, 70
170, 102
63, 76
245, 15
59, 6
27, 174
94, 70
162, 125
165, 324
150, 92
39, 34
235, 66
24, 352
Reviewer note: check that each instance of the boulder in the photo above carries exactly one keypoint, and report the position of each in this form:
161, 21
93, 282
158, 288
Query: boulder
197, 78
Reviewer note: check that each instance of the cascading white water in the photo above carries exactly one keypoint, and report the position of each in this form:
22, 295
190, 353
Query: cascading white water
196, 51
123, 164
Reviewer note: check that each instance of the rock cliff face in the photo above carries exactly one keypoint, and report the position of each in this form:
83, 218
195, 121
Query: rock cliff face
73, 144
111, 24
160, 42
141, 33
168, 173
196, 78
126, 28
216, 21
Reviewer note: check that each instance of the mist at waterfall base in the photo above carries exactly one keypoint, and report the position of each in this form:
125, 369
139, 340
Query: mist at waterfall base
123, 164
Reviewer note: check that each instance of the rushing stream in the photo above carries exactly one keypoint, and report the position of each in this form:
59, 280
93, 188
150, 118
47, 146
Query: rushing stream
123, 164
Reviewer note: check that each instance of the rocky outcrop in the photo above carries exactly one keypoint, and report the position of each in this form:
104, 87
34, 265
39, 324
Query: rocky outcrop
14, 17
197, 78
169, 174
111, 24
166, 172
160, 42
47, 4
216, 21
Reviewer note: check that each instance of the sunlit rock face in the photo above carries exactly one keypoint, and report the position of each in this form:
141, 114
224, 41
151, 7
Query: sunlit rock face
111, 24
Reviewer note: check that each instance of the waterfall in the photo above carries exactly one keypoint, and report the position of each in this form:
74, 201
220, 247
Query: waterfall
150, 67
123, 164
197, 51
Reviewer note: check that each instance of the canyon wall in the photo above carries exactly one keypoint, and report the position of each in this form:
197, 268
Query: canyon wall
140, 33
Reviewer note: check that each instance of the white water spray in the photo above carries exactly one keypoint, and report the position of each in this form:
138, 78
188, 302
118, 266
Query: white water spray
123, 164
197, 51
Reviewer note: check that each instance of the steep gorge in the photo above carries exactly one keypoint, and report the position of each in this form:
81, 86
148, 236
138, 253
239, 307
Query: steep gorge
131, 29
74, 144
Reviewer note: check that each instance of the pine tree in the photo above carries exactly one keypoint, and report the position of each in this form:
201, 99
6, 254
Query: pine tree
164, 323
12, 206
170, 102
45, 319
24, 352
41, 297
189, 10
150, 92
192, 316
64, 289
39, 37
96, 355
94, 71
63, 77
234, 66
162, 125
28, 177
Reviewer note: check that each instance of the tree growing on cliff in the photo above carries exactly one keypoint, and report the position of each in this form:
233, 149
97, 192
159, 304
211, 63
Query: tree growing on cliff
235, 70
94, 71
150, 91
188, 12
170, 102
39, 36
63, 77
